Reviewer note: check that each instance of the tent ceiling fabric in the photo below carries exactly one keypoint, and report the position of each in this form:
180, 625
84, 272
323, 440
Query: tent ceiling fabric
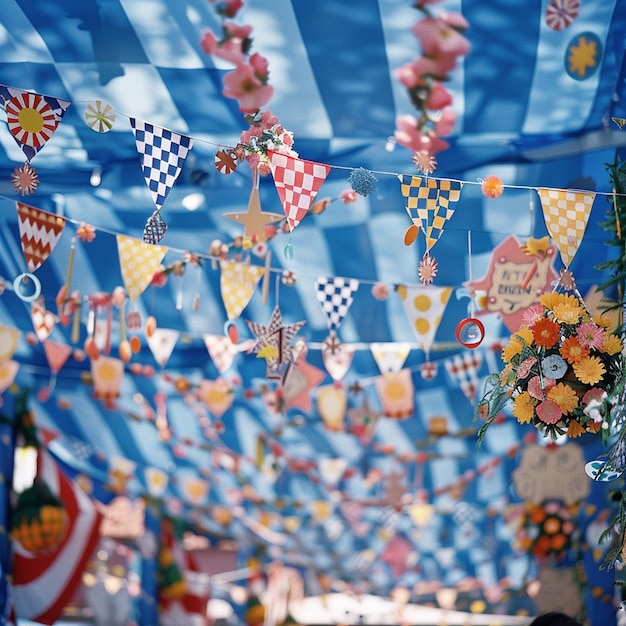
520, 116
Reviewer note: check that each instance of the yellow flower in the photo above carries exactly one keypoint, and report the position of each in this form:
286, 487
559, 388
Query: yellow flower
550, 299
611, 344
566, 313
589, 370
524, 407
564, 396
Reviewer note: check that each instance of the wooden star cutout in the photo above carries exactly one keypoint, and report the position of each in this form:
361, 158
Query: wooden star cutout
254, 220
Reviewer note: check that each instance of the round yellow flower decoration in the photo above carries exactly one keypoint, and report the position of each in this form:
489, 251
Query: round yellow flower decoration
612, 344
565, 313
589, 370
564, 396
524, 407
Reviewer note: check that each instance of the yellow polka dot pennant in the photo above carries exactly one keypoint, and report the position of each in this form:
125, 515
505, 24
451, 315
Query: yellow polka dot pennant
139, 262
424, 306
238, 282
566, 214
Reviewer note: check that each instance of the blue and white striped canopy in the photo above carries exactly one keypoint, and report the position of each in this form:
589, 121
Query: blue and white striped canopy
322, 499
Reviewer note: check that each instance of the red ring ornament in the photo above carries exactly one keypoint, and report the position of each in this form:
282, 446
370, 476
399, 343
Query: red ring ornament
463, 324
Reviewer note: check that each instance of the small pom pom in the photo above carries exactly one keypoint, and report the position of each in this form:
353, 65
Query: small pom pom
362, 181
492, 187
380, 291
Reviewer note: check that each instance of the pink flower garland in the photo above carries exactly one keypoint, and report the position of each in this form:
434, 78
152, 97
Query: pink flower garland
442, 43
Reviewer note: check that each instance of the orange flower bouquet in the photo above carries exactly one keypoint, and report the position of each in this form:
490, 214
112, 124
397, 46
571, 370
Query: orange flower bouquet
562, 369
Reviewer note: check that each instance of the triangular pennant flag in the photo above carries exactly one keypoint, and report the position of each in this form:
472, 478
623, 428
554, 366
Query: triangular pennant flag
161, 343
238, 282
163, 153
428, 203
217, 395
332, 469
424, 306
43, 321
390, 356
9, 338
463, 369
39, 233
337, 362
221, 350
56, 354
139, 262
31, 118
566, 214
335, 296
297, 183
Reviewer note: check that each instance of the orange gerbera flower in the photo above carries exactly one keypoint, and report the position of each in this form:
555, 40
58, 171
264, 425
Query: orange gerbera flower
545, 332
572, 351
575, 429
564, 396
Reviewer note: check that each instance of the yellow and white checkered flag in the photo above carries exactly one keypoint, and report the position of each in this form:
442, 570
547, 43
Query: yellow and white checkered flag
566, 214
429, 203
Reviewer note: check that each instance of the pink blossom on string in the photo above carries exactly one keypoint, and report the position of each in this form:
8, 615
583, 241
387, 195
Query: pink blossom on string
439, 98
227, 8
233, 45
243, 85
347, 196
442, 35
442, 43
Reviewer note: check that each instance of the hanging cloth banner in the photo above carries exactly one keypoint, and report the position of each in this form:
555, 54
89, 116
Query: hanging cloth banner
8, 372
39, 233
163, 155
238, 282
9, 338
424, 306
390, 357
335, 296
221, 350
566, 214
463, 369
31, 118
396, 394
139, 262
337, 362
428, 203
43, 584
297, 183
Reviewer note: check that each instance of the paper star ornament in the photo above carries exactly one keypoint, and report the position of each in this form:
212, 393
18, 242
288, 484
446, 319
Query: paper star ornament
274, 342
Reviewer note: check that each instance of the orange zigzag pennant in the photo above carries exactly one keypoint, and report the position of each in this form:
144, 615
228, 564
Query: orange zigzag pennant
39, 233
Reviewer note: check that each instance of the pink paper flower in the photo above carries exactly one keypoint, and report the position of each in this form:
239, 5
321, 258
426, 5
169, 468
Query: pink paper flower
548, 412
228, 8
438, 98
440, 35
260, 66
348, 196
243, 85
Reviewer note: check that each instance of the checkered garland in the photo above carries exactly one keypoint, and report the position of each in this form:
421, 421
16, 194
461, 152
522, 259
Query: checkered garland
163, 154
335, 296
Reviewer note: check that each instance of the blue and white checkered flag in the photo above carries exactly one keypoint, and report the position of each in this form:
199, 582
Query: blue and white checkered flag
163, 155
335, 296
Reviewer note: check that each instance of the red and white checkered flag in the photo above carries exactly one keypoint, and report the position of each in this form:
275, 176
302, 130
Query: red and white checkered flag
297, 182
463, 369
